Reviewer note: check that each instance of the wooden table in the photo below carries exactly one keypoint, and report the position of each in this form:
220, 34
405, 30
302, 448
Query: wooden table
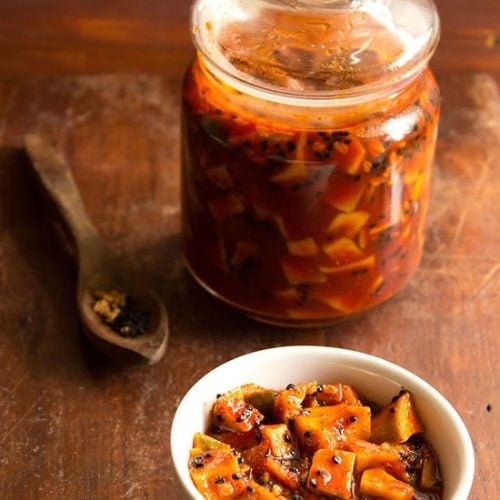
74, 427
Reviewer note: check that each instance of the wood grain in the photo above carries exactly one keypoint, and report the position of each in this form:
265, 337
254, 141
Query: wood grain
62, 36
74, 427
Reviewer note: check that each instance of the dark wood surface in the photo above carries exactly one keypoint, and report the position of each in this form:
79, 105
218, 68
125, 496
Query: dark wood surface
74, 427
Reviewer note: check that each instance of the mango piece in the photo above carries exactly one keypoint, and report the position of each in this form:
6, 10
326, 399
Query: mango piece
261, 212
220, 178
334, 394
256, 456
281, 471
348, 154
291, 173
348, 224
331, 473
429, 475
259, 397
280, 440
343, 251
226, 207
207, 443
245, 251
370, 456
378, 483
299, 270
365, 263
374, 231
303, 248
237, 440
377, 285
397, 422
288, 403
232, 412
416, 190
344, 193
374, 148
216, 474
363, 239
329, 426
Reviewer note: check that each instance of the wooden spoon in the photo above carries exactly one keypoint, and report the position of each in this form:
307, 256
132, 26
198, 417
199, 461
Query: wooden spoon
99, 267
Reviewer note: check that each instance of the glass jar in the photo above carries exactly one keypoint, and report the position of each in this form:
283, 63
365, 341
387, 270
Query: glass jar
309, 130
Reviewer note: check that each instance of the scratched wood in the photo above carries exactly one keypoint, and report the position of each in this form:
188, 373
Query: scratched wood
74, 427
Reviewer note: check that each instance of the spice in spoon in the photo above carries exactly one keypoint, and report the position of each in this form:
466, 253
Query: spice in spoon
121, 313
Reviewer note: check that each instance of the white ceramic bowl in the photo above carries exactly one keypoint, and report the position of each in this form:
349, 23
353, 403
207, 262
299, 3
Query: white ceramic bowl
376, 379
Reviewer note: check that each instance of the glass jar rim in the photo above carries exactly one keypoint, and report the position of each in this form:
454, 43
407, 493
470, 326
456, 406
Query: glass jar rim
391, 83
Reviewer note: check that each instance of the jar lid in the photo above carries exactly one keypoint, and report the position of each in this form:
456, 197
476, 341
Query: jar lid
315, 49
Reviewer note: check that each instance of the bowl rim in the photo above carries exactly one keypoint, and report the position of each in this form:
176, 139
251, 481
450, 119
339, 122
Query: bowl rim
376, 364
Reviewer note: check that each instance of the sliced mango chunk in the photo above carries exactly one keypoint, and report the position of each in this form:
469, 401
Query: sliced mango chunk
237, 440
416, 190
344, 193
364, 237
331, 473
245, 251
397, 422
216, 474
220, 178
348, 224
280, 471
207, 443
343, 251
288, 403
256, 456
334, 394
303, 248
370, 456
299, 270
280, 440
374, 148
291, 173
232, 412
348, 154
377, 285
259, 397
261, 212
328, 426
366, 263
429, 476
378, 483
226, 207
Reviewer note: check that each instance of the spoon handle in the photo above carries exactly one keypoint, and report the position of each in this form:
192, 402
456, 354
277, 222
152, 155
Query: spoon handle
55, 175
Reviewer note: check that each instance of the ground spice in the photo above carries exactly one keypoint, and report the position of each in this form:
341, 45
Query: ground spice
121, 313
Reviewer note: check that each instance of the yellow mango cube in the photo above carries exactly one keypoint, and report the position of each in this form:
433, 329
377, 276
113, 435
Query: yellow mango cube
303, 248
343, 251
348, 224
331, 473
378, 483
397, 422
